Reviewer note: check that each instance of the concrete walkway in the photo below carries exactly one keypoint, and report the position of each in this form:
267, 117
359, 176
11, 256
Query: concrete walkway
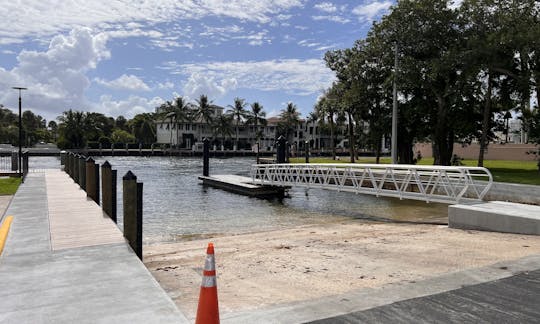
67, 262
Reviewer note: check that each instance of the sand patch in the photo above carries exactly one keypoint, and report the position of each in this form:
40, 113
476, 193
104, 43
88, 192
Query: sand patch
261, 269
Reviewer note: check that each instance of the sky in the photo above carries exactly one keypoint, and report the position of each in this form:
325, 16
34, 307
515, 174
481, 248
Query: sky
124, 57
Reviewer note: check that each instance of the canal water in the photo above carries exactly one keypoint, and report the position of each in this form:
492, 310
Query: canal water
177, 207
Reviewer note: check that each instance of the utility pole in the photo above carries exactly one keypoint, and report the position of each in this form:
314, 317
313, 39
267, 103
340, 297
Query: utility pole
395, 109
20, 132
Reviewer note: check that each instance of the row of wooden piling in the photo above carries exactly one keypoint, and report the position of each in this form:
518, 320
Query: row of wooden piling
86, 173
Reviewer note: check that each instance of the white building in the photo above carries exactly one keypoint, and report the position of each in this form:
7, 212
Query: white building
189, 135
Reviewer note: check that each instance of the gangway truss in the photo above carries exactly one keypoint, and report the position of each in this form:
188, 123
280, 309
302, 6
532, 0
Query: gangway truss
445, 184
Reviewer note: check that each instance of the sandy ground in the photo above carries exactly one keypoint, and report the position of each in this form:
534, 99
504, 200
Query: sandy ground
298, 264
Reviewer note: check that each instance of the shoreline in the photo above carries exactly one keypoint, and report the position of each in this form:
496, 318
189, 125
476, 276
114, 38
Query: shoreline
308, 262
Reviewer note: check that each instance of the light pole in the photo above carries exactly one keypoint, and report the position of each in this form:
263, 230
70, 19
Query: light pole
20, 132
395, 110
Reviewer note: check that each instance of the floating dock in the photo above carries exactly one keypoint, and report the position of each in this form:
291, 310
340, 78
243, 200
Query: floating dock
242, 185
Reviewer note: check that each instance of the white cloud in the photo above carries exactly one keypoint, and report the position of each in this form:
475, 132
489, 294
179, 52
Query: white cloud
308, 43
165, 85
200, 83
325, 7
370, 11
125, 82
56, 78
334, 18
120, 18
227, 30
293, 76
256, 39
128, 108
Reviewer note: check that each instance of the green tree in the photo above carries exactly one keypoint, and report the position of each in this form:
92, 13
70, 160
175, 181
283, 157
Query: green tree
289, 120
143, 128
166, 112
181, 112
327, 110
429, 42
97, 125
121, 123
222, 125
204, 112
122, 136
71, 130
239, 113
256, 117
53, 129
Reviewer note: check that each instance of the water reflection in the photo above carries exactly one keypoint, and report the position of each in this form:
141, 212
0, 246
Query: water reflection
176, 206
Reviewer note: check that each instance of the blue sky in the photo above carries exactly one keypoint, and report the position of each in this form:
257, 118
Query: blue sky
123, 57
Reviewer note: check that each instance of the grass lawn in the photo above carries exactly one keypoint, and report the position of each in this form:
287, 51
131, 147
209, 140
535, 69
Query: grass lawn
8, 186
525, 172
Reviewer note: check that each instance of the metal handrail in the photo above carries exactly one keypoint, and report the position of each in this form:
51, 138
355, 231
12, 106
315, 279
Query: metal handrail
446, 184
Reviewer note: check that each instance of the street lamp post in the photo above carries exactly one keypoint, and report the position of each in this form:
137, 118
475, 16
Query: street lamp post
395, 110
20, 132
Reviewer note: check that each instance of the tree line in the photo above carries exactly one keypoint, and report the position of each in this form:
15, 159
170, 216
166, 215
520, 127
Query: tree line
79, 129
460, 73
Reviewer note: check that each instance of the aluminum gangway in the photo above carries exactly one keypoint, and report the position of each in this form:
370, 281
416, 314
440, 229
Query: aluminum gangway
445, 184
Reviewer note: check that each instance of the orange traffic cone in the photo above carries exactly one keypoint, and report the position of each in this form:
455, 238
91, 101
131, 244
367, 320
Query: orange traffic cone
208, 310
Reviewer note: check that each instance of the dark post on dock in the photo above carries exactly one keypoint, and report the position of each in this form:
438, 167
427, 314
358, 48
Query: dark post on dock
132, 198
281, 149
76, 159
306, 146
206, 157
108, 190
92, 180
82, 172
70, 165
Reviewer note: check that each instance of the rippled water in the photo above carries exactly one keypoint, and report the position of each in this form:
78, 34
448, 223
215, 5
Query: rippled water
177, 207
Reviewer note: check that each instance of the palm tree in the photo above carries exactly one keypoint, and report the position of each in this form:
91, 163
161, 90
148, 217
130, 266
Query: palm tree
166, 110
180, 113
222, 126
327, 111
143, 128
290, 117
238, 112
256, 117
313, 119
204, 111
72, 129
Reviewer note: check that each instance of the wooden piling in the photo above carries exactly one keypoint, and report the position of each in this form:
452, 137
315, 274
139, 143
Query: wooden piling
82, 172
92, 180
306, 150
132, 198
108, 189
206, 157
76, 168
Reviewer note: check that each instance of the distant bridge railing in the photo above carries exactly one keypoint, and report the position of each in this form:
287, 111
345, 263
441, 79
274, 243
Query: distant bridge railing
446, 184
